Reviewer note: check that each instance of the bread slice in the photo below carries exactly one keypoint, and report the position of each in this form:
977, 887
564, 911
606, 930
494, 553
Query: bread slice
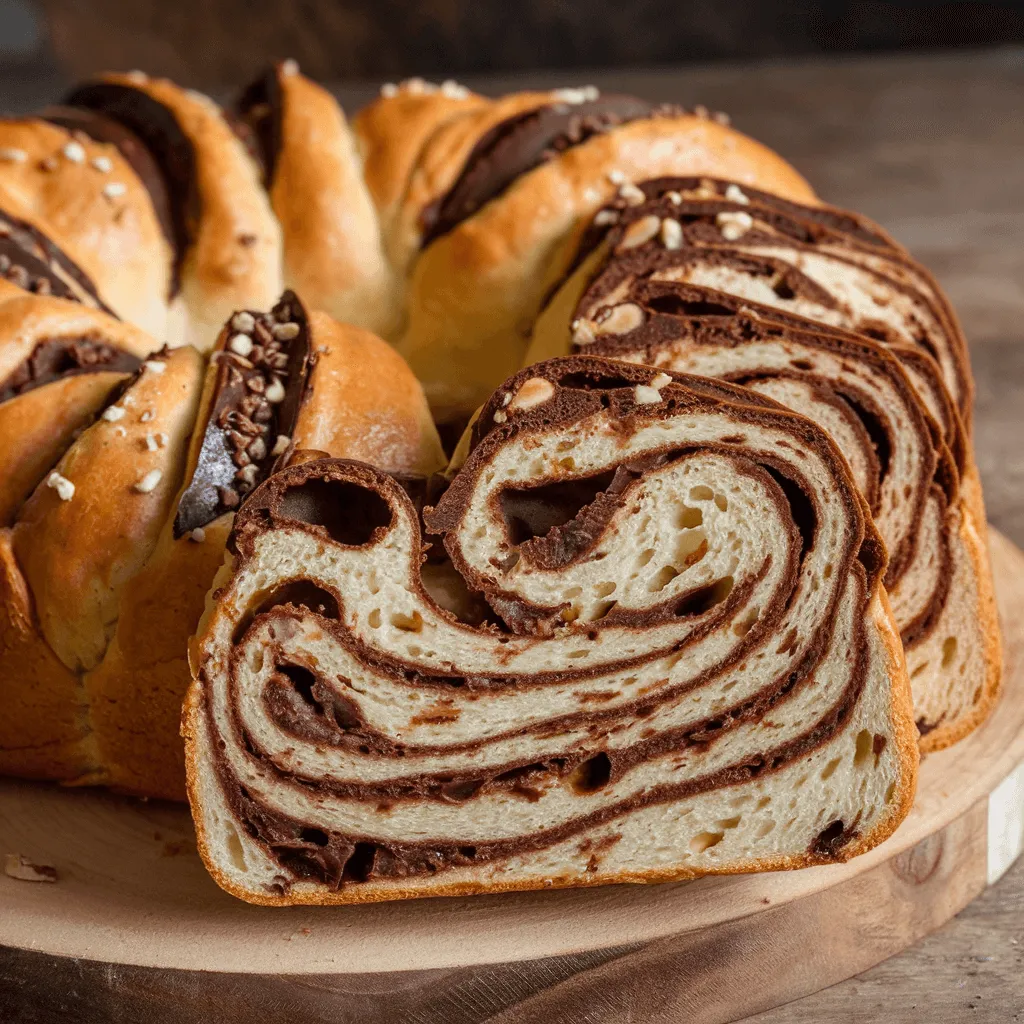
689, 665
706, 277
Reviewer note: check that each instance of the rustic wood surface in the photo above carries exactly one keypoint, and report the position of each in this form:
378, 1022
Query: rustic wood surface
931, 147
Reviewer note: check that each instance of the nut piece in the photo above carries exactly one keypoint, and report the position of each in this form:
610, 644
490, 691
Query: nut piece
112, 413
285, 332
74, 152
622, 319
103, 164
240, 344
149, 482
243, 322
62, 485
532, 393
20, 867
198, 535
734, 224
644, 395
275, 392
632, 194
281, 445
582, 333
671, 233
640, 231
736, 195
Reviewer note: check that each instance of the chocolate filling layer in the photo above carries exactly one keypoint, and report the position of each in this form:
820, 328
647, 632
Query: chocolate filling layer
256, 401
58, 358
170, 148
31, 261
521, 143
101, 128
256, 119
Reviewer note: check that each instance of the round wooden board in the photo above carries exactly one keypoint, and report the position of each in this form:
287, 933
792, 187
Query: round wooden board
135, 930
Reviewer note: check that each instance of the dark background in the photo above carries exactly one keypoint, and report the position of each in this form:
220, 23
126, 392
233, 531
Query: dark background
215, 43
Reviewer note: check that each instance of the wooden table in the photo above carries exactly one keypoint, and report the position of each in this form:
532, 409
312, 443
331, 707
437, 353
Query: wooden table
931, 146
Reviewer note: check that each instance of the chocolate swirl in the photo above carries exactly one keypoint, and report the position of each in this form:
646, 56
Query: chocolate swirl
168, 169
55, 359
814, 308
683, 580
821, 263
35, 263
518, 145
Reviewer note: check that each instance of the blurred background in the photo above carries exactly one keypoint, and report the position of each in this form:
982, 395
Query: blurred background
213, 43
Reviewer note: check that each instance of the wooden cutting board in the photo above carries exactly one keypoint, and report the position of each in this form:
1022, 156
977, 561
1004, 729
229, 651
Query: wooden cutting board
134, 930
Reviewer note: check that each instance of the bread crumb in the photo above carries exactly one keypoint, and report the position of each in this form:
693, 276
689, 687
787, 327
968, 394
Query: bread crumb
20, 867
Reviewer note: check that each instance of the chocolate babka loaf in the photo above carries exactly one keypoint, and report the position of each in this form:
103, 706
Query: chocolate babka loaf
688, 666
819, 309
117, 505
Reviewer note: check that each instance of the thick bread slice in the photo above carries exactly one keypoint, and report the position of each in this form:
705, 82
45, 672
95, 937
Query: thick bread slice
705, 277
690, 666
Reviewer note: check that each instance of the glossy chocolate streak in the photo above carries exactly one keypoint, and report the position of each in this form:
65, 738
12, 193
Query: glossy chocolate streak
170, 148
243, 424
521, 143
104, 129
257, 117
59, 358
31, 261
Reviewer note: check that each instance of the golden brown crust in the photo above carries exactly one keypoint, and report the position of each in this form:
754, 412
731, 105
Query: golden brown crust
78, 550
135, 694
974, 535
474, 292
43, 730
333, 255
39, 426
365, 404
392, 130
234, 260
441, 160
85, 196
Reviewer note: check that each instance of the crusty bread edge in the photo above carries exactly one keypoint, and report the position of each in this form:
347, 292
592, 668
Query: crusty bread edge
904, 735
